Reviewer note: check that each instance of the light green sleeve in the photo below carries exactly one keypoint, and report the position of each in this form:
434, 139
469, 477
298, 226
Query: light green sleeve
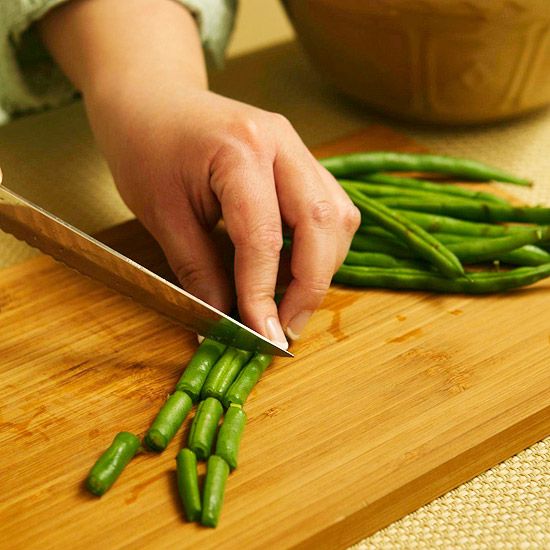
30, 80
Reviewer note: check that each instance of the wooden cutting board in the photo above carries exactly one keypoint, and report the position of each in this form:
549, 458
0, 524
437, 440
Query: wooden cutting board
393, 399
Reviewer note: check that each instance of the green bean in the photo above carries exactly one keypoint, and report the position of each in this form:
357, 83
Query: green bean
419, 241
527, 255
414, 279
373, 243
377, 190
229, 436
435, 223
204, 426
188, 484
469, 249
479, 250
378, 259
111, 463
217, 471
382, 161
197, 370
224, 373
445, 188
481, 211
537, 233
239, 391
168, 421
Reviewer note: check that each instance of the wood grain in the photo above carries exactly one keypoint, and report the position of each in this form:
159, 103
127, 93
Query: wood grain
392, 399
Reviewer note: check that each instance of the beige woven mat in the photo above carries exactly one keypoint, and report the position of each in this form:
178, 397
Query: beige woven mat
506, 507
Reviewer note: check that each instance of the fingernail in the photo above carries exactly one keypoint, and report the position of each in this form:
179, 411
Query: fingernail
298, 323
275, 332
200, 338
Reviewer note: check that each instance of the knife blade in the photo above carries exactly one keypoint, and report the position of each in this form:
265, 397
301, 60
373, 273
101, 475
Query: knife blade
76, 249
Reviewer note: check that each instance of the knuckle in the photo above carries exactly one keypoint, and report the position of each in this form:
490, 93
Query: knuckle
247, 133
265, 240
317, 288
351, 218
255, 297
322, 214
281, 121
190, 276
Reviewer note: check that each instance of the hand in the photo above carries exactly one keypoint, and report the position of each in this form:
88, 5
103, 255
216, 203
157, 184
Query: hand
183, 159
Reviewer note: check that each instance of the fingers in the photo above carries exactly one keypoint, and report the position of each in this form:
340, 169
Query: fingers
324, 221
244, 185
193, 256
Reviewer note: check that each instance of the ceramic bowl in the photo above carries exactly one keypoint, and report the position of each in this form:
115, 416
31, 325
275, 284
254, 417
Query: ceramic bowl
443, 61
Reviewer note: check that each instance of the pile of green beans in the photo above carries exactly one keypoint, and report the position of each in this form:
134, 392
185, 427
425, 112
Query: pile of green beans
436, 236
223, 378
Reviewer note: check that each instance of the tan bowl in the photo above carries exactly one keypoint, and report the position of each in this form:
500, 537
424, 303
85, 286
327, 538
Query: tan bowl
447, 61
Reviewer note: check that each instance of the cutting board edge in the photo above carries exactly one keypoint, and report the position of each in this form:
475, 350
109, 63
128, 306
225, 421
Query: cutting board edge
447, 475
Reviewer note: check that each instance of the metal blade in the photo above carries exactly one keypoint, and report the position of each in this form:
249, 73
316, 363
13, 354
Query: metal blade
71, 246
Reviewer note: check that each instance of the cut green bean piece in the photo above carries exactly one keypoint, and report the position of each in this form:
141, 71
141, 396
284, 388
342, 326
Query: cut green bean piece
385, 161
111, 463
188, 484
482, 211
443, 188
421, 242
224, 373
414, 279
217, 471
168, 420
239, 391
229, 436
197, 370
204, 426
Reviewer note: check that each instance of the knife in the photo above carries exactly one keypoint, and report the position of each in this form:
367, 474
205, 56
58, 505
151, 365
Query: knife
53, 236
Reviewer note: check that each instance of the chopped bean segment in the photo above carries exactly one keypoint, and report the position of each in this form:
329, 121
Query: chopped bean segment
197, 370
217, 471
224, 372
188, 484
204, 426
111, 463
229, 436
247, 379
168, 421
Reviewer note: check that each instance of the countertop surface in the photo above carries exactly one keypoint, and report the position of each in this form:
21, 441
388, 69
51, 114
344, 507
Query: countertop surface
51, 159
